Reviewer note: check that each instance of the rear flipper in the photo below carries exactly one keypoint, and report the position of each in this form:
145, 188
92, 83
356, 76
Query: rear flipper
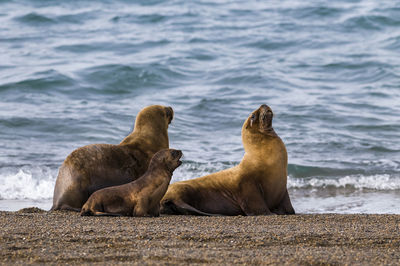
171, 207
90, 213
106, 214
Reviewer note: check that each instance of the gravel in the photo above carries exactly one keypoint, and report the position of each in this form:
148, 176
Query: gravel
35, 236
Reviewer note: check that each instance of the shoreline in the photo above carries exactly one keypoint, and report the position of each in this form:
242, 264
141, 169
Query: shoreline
303, 201
35, 236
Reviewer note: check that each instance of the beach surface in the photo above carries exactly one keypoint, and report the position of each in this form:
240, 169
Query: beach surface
35, 236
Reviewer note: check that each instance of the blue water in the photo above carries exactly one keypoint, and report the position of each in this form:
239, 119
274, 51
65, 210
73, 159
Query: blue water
77, 72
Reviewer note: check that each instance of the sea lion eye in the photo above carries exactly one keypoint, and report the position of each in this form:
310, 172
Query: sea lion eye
253, 116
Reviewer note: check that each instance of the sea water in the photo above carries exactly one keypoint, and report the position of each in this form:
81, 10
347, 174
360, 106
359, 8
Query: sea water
77, 72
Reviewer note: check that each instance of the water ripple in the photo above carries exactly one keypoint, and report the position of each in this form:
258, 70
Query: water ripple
77, 72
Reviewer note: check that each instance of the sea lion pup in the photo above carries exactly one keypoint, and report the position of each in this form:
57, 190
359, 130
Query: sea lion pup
140, 197
257, 186
97, 166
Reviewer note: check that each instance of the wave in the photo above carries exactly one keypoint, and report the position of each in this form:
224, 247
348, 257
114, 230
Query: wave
38, 184
40, 81
371, 22
342, 168
123, 78
359, 182
35, 19
26, 184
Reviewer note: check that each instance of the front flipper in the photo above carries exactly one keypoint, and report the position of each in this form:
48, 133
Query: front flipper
66, 208
252, 202
285, 206
252, 207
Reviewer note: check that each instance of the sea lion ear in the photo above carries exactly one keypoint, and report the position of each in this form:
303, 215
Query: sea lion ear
249, 124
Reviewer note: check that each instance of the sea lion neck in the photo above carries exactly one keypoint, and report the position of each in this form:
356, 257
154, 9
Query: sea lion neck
261, 150
151, 128
153, 137
149, 143
254, 140
160, 169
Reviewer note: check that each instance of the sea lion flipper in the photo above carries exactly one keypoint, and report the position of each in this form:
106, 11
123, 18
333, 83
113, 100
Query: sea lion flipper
285, 206
254, 204
180, 207
106, 214
65, 207
252, 200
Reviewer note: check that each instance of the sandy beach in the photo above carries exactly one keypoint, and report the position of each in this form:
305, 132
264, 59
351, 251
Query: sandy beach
39, 237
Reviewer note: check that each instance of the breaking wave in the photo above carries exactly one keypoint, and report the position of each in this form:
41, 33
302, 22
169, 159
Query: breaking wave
27, 184
374, 182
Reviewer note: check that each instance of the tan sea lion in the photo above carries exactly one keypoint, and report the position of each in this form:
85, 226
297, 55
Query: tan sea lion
140, 197
257, 186
97, 166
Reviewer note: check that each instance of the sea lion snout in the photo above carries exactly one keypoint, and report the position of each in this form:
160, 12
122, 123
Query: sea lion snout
168, 157
265, 116
176, 153
264, 109
262, 116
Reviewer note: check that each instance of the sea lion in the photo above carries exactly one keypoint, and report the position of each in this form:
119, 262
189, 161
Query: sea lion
97, 166
257, 186
140, 197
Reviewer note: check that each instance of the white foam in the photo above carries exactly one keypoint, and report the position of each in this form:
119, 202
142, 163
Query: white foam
376, 182
25, 184
38, 184
382, 202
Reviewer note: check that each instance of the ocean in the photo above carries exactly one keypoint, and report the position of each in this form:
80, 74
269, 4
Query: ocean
77, 72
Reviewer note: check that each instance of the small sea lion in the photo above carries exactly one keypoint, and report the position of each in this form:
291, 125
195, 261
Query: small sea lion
140, 197
257, 186
97, 166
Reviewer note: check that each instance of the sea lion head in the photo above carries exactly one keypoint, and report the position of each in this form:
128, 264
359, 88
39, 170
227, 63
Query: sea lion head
151, 126
154, 116
169, 158
260, 121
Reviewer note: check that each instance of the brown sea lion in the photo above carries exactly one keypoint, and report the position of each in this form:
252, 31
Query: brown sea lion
140, 197
97, 166
257, 186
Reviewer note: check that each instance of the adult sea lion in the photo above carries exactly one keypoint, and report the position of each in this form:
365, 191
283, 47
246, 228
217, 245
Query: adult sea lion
257, 186
97, 166
140, 197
